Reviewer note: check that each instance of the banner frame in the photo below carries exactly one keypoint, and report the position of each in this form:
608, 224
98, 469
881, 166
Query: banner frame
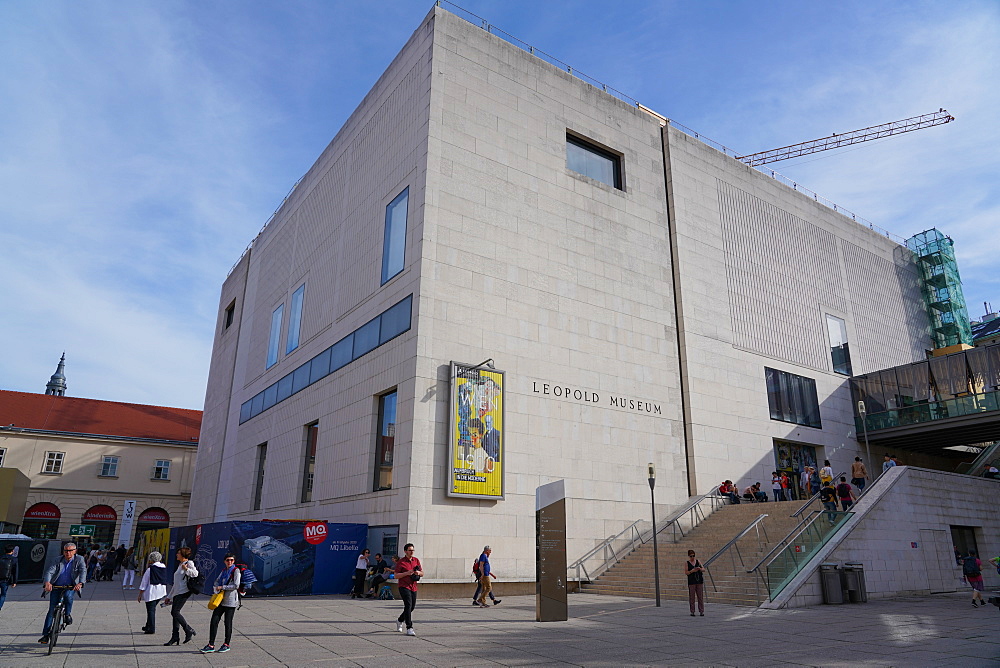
452, 420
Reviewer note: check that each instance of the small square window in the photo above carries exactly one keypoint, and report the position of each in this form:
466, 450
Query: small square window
230, 312
53, 462
161, 471
109, 467
590, 160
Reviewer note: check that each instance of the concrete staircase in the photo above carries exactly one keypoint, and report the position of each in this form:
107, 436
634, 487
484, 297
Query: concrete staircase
633, 575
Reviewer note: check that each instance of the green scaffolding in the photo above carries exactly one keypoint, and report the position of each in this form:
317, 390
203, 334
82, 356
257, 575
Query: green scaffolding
942, 288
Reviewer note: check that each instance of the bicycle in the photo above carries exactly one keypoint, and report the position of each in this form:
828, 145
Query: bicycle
58, 616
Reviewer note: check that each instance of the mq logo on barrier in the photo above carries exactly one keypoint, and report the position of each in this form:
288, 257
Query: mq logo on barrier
315, 532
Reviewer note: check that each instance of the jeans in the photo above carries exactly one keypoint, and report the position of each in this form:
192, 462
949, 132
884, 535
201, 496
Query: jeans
846, 504
697, 591
151, 615
3, 593
832, 507
54, 595
128, 580
213, 626
859, 483
779, 494
409, 603
178, 619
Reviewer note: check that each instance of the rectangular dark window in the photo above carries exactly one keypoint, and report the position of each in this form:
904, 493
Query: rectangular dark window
258, 492
366, 338
161, 470
109, 467
840, 354
593, 161
53, 462
230, 312
394, 241
385, 440
295, 320
792, 398
309, 469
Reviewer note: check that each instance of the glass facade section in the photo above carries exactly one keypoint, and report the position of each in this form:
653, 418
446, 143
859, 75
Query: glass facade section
941, 287
309, 469
840, 354
272, 342
295, 319
385, 440
394, 241
374, 333
942, 387
597, 163
792, 398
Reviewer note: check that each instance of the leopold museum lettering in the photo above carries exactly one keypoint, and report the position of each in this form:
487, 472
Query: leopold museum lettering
612, 401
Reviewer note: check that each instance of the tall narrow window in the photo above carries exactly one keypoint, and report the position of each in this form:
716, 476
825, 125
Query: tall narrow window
839, 352
590, 160
3, 455
385, 440
230, 311
258, 491
272, 343
309, 470
394, 243
295, 319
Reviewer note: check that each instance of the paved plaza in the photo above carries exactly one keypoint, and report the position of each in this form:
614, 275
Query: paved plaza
940, 630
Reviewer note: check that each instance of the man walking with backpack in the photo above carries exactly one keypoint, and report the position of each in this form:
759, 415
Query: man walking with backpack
8, 572
485, 579
477, 572
972, 571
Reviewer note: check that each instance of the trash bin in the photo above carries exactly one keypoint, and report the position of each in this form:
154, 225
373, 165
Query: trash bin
854, 575
829, 578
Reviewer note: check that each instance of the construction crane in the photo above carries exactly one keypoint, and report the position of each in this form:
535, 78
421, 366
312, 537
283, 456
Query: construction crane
940, 117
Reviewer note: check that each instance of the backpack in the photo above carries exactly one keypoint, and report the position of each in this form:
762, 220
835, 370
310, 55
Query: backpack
475, 568
6, 566
969, 568
196, 585
385, 593
247, 578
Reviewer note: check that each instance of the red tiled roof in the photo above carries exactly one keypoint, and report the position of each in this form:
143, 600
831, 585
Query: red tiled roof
93, 416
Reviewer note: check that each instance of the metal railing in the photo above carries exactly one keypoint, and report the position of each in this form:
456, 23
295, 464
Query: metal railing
815, 496
786, 563
756, 525
987, 455
612, 550
762, 573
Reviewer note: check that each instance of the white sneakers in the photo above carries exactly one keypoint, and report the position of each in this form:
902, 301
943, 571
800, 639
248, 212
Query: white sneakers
399, 627
410, 632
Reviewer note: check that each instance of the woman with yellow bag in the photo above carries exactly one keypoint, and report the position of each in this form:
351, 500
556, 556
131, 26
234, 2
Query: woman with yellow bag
223, 603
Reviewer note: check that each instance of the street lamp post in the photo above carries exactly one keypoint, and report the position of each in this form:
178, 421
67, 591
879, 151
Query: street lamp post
656, 556
862, 411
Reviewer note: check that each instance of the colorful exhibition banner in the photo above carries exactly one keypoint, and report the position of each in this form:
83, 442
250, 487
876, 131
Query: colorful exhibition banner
475, 441
289, 558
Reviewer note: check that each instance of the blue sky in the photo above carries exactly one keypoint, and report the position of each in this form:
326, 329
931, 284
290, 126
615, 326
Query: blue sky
143, 144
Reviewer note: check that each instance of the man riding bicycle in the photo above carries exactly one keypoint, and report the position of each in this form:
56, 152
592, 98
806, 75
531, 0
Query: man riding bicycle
63, 579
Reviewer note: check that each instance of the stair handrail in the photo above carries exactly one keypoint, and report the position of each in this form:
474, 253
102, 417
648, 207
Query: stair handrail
985, 455
805, 521
642, 537
815, 496
693, 506
755, 524
607, 544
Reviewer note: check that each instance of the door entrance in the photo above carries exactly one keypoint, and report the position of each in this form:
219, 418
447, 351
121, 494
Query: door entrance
792, 458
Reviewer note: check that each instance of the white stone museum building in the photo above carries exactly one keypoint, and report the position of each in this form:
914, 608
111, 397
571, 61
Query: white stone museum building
619, 291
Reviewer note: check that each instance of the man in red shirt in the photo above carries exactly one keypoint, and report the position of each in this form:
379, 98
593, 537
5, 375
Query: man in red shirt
408, 571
